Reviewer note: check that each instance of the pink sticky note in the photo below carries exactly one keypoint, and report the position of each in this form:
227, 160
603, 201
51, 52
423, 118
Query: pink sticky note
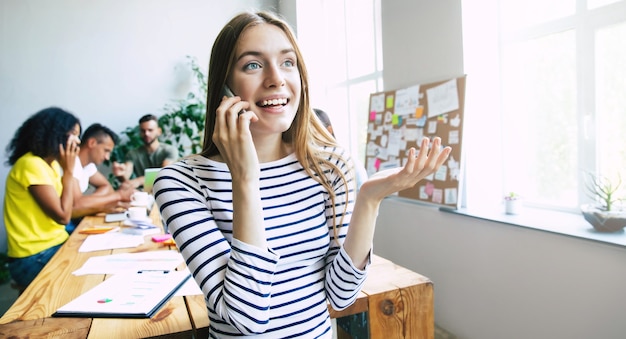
161, 237
372, 115
377, 164
429, 188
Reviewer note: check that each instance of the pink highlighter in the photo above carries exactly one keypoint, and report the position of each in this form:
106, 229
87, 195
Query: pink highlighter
161, 237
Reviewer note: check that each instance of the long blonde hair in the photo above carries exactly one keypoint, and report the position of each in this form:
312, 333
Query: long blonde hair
306, 133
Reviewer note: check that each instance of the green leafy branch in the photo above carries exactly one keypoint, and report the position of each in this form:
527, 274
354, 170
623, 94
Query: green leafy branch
602, 189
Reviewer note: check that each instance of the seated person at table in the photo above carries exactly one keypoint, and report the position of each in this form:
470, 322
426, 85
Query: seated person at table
153, 154
38, 196
96, 146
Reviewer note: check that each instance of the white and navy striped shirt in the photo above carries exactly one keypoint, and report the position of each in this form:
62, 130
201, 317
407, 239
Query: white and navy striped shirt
280, 292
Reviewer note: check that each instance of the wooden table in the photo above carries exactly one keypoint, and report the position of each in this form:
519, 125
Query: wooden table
398, 302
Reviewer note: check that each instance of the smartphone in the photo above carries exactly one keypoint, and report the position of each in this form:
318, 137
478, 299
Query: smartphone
227, 92
70, 138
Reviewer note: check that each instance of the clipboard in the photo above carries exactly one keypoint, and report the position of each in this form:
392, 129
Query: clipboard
135, 295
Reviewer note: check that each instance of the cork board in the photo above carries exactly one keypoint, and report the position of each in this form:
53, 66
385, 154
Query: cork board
399, 119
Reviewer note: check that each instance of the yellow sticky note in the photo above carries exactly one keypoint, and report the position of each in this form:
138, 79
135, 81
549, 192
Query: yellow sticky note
389, 101
394, 119
419, 111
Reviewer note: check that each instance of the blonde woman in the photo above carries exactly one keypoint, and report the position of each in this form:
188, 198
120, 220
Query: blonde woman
267, 217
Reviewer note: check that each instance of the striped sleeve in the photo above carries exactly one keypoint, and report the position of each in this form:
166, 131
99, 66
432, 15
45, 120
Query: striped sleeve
343, 280
235, 278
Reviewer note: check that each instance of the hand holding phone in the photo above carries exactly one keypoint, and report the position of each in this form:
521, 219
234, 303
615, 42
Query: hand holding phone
226, 91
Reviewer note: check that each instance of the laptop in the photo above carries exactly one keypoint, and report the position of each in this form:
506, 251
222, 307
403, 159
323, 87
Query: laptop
149, 175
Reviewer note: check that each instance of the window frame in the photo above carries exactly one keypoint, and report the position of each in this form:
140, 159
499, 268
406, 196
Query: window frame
584, 22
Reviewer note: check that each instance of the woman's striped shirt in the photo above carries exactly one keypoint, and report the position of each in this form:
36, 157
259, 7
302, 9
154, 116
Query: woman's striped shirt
281, 292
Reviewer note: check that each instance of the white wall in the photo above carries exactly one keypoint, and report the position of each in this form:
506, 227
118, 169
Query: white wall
107, 61
491, 280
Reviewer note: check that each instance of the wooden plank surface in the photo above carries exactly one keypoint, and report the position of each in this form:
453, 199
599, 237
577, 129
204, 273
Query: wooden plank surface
400, 307
56, 285
399, 302
39, 300
64, 328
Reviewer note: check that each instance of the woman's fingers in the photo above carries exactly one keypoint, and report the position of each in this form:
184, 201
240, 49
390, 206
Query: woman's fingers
233, 138
429, 158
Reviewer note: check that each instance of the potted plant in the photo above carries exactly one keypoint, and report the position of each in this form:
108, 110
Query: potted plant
183, 120
606, 213
512, 203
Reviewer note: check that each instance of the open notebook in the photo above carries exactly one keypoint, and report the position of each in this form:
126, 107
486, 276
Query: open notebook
135, 295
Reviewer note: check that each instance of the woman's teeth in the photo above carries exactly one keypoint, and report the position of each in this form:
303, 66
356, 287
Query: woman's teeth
274, 102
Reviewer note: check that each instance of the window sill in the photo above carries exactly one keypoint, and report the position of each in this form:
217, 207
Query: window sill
570, 224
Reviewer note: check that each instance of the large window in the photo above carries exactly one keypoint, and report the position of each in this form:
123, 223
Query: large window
559, 82
341, 40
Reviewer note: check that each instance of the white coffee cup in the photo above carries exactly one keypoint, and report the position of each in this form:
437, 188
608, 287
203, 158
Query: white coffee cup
137, 213
140, 198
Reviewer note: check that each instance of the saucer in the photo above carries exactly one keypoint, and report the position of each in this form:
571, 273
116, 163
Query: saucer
141, 203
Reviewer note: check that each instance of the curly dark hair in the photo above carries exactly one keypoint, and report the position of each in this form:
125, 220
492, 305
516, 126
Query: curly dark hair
42, 134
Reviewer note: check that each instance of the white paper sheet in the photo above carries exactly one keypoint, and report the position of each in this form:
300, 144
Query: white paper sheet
109, 241
190, 287
131, 263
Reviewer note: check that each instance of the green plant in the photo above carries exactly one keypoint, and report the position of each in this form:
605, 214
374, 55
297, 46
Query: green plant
603, 190
183, 120
512, 196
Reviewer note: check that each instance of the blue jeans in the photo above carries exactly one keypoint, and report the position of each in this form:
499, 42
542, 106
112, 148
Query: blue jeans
24, 270
71, 226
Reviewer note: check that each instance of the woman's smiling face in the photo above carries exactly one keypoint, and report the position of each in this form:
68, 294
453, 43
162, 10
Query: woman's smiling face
265, 74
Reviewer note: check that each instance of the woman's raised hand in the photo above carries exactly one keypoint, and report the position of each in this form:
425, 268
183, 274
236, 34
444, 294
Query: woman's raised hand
417, 167
67, 154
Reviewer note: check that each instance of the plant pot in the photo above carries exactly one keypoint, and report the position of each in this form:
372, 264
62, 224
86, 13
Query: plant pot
512, 206
604, 221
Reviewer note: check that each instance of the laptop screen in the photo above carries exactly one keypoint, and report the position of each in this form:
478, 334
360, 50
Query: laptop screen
149, 175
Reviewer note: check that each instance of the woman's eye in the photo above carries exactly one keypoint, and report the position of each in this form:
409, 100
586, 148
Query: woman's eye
252, 66
289, 63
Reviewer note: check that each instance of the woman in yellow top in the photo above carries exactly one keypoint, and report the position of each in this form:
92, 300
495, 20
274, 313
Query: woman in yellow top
38, 195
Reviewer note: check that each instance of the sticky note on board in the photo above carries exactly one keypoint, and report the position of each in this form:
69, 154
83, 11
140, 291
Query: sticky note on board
429, 189
419, 111
438, 196
389, 101
372, 115
394, 119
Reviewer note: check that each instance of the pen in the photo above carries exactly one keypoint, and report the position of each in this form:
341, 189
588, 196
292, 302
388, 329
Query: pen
154, 271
